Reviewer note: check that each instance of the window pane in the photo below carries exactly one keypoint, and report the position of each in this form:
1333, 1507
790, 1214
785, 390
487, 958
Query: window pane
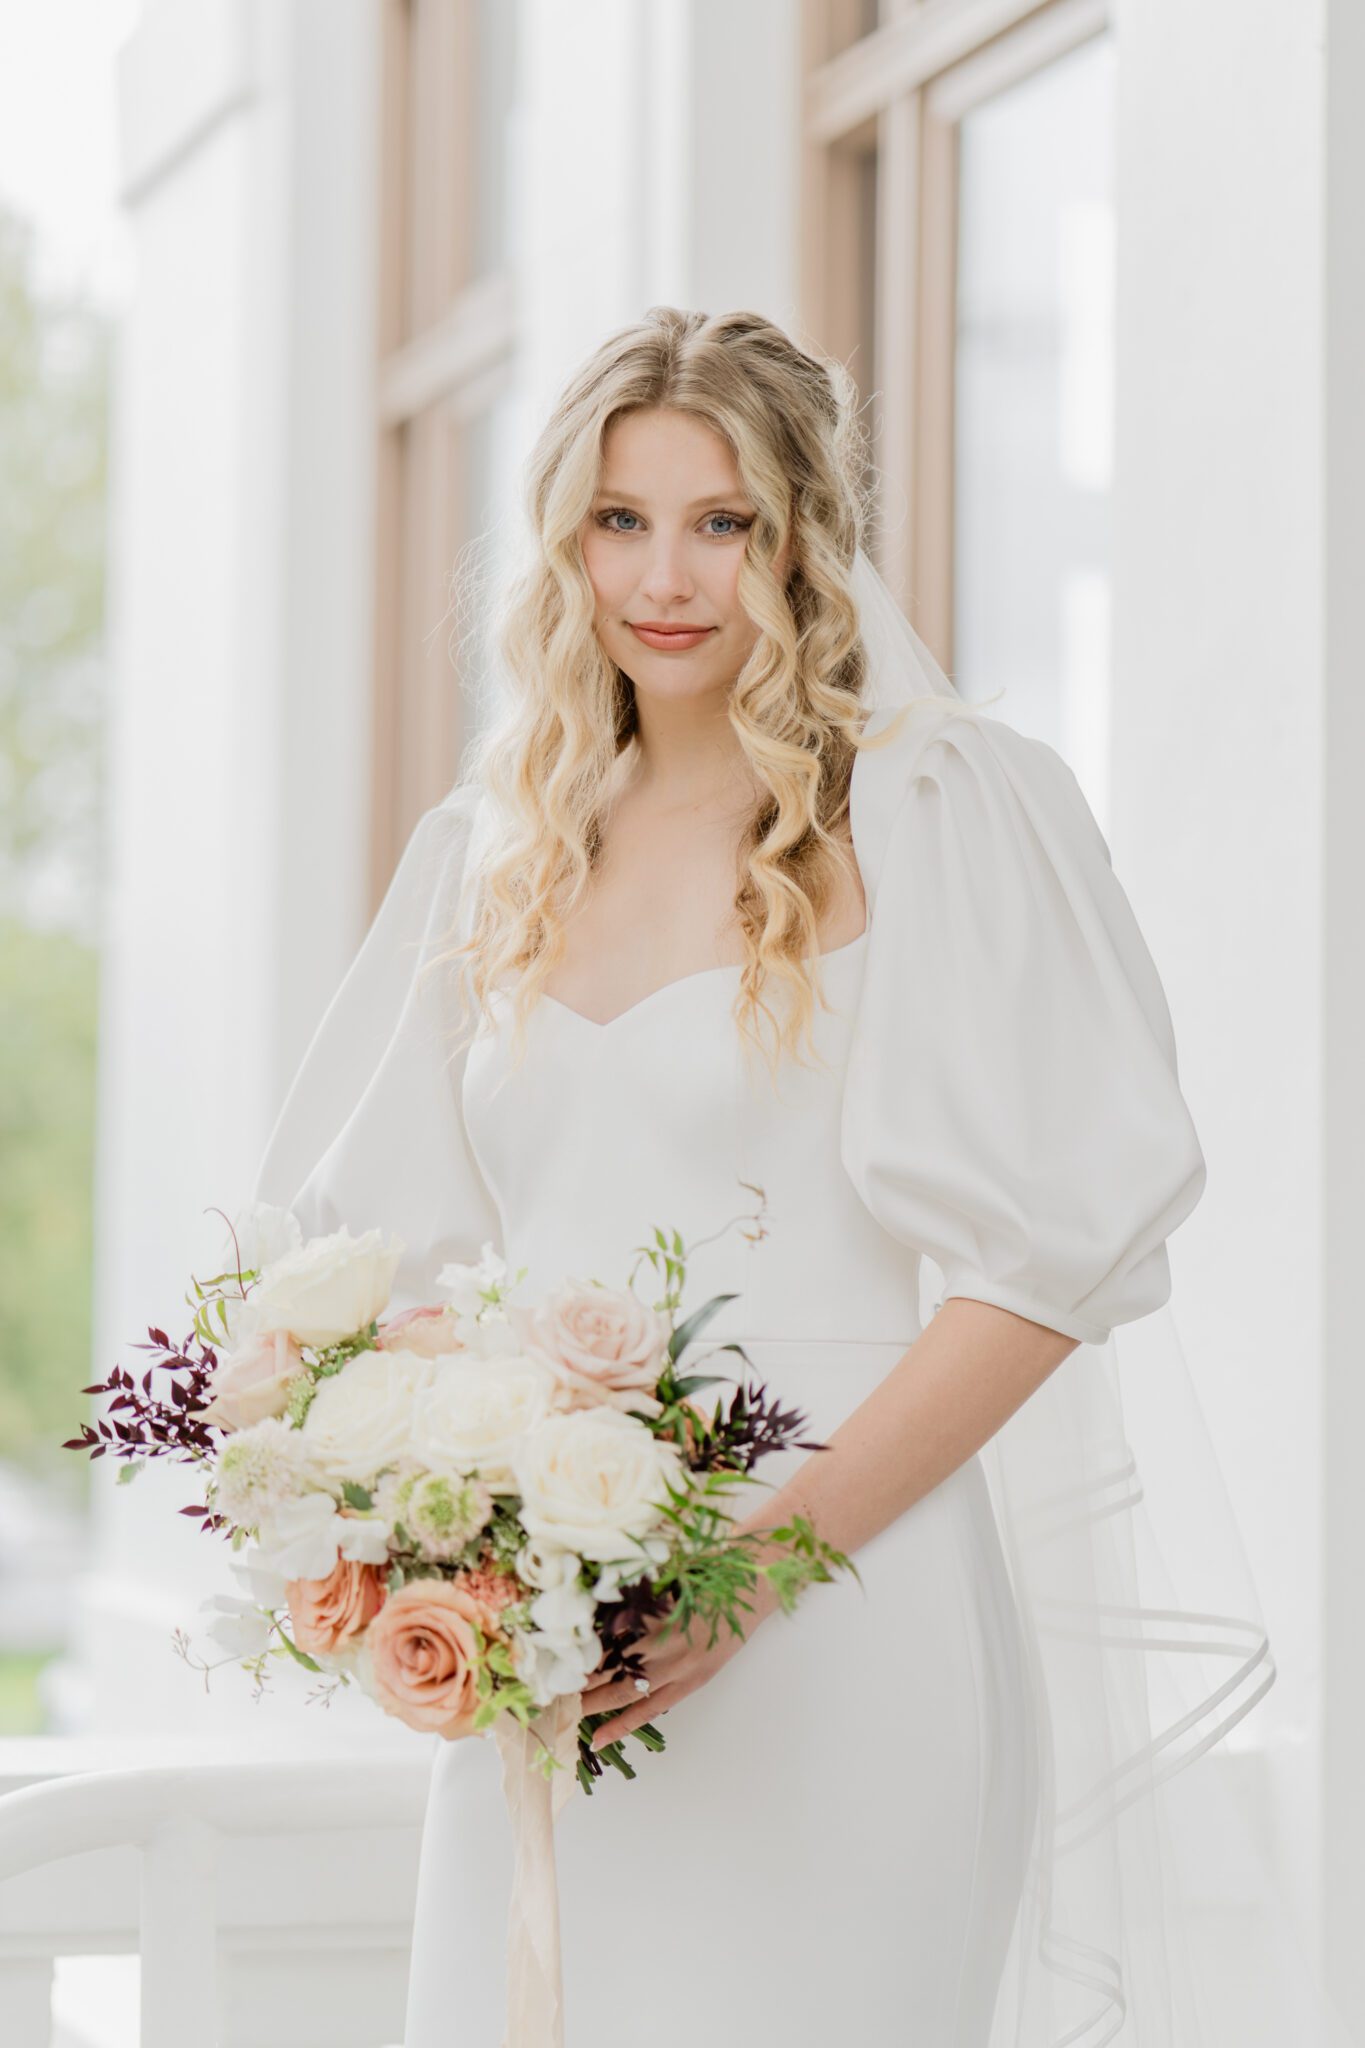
494, 98
1033, 414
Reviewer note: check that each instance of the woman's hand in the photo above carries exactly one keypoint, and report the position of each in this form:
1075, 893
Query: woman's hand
675, 1665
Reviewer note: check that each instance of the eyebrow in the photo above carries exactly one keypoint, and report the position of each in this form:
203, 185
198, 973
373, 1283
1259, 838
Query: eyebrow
715, 498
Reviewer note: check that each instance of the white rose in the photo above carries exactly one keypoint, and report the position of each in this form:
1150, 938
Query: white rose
362, 1417
594, 1481
474, 1411
329, 1288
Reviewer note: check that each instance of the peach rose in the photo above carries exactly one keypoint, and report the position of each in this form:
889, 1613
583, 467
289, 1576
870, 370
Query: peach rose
421, 1647
603, 1344
430, 1332
253, 1382
327, 1613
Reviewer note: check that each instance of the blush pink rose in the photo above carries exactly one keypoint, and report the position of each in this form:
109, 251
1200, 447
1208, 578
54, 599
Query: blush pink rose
253, 1382
422, 1652
429, 1332
327, 1613
603, 1344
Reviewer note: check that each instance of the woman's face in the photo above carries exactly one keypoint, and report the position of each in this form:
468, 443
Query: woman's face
663, 541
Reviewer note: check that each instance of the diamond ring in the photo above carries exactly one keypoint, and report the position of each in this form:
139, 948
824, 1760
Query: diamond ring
642, 1685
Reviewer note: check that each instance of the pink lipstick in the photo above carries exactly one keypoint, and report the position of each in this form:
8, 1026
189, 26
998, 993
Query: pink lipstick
670, 638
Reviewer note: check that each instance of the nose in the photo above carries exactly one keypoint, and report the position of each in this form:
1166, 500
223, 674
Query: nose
667, 578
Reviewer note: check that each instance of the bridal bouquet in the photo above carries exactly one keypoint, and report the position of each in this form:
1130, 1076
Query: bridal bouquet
467, 1507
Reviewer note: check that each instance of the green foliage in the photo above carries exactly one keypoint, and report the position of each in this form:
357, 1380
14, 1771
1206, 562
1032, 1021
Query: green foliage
53, 429
48, 997
54, 375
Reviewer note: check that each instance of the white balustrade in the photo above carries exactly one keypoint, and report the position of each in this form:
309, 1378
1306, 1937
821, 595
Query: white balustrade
270, 1899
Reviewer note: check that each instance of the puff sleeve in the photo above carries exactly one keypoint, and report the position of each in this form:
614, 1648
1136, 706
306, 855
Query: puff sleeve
371, 1134
1012, 1108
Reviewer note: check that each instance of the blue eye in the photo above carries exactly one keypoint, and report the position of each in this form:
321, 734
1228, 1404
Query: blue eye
605, 519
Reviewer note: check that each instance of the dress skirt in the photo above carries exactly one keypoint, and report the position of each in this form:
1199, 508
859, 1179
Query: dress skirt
831, 1848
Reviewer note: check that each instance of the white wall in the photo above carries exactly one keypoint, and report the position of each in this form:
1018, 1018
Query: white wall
1238, 744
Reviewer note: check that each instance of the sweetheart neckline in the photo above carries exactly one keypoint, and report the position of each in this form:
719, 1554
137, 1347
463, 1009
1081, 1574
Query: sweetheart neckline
681, 981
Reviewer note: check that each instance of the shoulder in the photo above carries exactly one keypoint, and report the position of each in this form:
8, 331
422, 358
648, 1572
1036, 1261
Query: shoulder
953, 774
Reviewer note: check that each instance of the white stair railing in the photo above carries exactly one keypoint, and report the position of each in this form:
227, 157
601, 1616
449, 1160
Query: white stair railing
273, 1908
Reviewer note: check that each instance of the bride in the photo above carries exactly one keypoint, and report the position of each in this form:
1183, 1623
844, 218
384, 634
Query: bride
761, 933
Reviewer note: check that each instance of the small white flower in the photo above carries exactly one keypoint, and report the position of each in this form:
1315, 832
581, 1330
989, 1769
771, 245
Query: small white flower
551, 1666
239, 1627
264, 1233
564, 1610
363, 1539
625, 1571
465, 1286
260, 1468
300, 1539
262, 1585
543, 1563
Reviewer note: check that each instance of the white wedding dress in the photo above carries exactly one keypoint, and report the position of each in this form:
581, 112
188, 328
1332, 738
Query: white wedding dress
835, 1840
772, 1830
910, 1814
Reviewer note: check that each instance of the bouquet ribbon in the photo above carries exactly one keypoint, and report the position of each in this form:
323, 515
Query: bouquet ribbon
535, 2014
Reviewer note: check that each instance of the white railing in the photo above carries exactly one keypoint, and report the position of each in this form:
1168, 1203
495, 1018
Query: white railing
270, 1902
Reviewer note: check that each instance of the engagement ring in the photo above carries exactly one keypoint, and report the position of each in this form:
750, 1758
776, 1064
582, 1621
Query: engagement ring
642, 1685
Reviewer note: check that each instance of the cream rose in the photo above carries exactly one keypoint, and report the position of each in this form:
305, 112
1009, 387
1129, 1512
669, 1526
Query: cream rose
330, 1288
420, 1655
253, 1382
362, 1417
603, 1343
473, 1411
594, 1481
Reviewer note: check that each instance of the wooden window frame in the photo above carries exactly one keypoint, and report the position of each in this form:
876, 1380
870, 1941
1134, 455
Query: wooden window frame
446, 342
900, 94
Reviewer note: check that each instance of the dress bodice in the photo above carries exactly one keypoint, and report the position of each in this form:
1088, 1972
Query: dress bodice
657, 1118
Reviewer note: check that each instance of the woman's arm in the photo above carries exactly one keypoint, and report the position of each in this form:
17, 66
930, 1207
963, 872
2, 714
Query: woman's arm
959, 1382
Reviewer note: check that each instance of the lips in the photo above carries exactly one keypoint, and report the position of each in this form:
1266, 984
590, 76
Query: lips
671, 639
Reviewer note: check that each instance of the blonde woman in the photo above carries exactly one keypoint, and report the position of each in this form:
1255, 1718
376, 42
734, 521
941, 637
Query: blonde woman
752, 918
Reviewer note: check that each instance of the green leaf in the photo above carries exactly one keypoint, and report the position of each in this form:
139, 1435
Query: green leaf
696, 1322
129, 1470
356, 1495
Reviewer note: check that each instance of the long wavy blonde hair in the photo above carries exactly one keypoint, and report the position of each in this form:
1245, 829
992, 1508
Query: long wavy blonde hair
567, 710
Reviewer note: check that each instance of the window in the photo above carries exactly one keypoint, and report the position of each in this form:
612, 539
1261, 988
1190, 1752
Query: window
446, 344
959, 258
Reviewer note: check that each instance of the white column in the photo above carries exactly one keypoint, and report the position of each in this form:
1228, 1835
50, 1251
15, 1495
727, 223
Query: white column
241, 659
1237, 732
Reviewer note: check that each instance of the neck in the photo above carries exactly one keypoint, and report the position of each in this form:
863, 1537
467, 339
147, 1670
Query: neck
688, 753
